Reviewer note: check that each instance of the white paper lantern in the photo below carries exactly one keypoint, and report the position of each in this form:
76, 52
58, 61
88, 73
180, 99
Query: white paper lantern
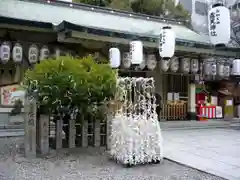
236, 67
207, 68
136, 52
33, 54
126, 62
115, 57
220, 69
17, 53
143, 63
194, 66
5, 52
185, 65
165, 65
174, 64
219, 24
226, 71
151, 61
214, 69
44, 53
167, 43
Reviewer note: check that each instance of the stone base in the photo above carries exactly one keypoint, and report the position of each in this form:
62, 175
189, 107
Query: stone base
192, 116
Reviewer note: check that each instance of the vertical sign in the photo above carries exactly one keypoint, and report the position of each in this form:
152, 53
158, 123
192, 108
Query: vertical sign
213, 22
30, 109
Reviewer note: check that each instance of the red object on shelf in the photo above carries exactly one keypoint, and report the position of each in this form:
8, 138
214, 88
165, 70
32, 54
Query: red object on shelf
206, 112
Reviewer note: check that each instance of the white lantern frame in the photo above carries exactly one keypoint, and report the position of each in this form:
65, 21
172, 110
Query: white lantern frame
194, 65
219, 27
185, 65
126, 62
114, 57
213, 68
220, 69
165, 65
207, 68
235, 67
151, 61
32, 48
43, 54
167, 41
174, 64
136, 52
17, 53
227, 70
5, 52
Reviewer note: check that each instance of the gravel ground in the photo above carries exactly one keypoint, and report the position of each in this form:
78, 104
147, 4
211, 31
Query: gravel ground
84, 164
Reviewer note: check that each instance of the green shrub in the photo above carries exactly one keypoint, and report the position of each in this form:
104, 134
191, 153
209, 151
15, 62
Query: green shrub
67, 83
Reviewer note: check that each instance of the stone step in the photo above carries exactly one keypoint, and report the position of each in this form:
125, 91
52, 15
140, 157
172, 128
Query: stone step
177, 125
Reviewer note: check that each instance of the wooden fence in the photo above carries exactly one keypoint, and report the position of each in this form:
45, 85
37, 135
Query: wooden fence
83, 132
174, 111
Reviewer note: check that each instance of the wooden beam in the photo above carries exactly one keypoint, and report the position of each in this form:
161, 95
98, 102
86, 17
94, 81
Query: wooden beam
74, 37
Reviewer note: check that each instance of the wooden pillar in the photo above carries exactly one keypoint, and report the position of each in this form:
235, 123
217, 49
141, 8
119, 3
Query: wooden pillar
72, 133
30, 109
44, 134
59, 133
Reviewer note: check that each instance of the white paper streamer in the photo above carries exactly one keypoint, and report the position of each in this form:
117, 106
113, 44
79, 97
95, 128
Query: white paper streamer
135, 134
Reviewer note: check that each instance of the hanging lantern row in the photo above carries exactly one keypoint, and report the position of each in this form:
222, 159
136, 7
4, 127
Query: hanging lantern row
219, 25
34, 54
184, 65
148, 61
135, 55
222, 69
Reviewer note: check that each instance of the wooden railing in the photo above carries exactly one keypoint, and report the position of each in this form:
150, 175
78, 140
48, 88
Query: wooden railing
174, 110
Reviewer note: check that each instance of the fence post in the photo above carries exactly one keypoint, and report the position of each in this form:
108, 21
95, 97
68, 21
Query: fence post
30, 110
84, 132
109, 130
72, 133
44, 134
97, 133
59, 131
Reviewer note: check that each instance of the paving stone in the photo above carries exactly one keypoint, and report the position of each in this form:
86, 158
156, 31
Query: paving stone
84, 164
212, 150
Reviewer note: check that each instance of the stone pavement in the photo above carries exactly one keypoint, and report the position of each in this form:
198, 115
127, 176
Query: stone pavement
84, 164
216, 151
